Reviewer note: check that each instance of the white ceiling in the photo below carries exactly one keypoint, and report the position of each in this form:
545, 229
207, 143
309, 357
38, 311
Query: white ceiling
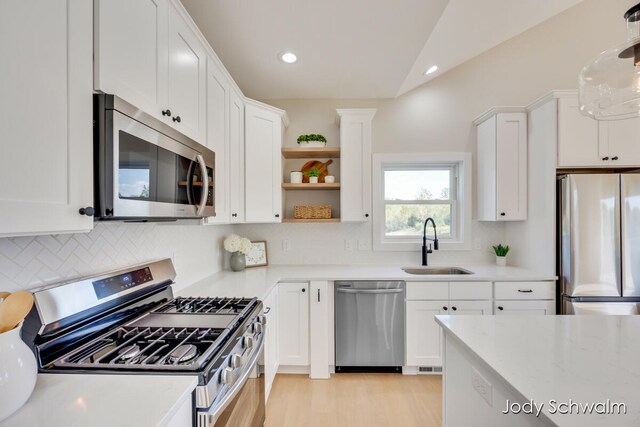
356, 48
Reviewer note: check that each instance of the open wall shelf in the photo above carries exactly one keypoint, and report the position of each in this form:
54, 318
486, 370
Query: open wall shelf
296, 220
311, 153
316, 187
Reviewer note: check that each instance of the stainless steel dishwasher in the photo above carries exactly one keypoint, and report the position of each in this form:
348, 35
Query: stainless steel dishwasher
369, 326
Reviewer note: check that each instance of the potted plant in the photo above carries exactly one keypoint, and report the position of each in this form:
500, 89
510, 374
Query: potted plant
501, 254
312, 140
313, 174
239, 247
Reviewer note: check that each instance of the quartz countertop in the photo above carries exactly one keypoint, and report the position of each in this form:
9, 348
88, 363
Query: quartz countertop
103, 400
259, 281
583, 358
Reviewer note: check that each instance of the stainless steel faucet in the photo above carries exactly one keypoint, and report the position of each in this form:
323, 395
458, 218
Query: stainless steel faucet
426, 250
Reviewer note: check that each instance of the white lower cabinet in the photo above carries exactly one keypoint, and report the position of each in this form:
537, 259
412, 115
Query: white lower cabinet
293, 324
423, 335
471, 308
525, 307
271, 361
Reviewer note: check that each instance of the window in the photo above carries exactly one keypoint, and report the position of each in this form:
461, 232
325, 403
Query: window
409, 188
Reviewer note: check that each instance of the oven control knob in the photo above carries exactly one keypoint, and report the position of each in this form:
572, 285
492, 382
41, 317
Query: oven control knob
262, 319
250, 329
248, 342
226, 376
257, 328
236, 361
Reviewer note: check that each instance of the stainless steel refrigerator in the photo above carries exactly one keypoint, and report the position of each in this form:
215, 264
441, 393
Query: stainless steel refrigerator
599, 243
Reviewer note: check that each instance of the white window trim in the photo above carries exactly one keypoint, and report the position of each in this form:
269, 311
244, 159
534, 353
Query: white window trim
462, 242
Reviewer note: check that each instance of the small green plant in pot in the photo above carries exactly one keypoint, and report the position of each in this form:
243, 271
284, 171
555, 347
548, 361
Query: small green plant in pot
312, 140
501, 254
313, 174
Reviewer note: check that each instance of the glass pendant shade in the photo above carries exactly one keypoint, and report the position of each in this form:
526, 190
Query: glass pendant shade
610, 85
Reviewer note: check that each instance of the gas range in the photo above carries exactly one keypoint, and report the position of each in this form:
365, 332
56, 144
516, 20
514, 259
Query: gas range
129, 322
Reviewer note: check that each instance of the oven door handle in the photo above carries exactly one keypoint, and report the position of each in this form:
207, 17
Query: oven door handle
218, 407
205, 185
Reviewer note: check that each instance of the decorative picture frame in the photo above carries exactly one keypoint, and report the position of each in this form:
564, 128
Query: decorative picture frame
257, 256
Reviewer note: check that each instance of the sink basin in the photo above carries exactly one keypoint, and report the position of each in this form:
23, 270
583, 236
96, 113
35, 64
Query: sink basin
436, 270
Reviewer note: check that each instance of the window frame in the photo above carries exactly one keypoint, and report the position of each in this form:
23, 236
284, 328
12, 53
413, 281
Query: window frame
460, 199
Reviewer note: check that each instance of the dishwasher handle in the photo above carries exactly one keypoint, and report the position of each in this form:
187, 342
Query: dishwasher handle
370, 291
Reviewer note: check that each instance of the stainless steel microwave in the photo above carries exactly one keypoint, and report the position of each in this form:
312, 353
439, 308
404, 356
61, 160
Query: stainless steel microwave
145, 170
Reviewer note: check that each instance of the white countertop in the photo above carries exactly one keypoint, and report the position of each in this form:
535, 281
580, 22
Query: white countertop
103, 400
583, 358
259, 281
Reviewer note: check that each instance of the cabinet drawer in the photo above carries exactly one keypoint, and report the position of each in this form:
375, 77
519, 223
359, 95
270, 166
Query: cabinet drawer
427, 290
525, 290
524, 308
470, 290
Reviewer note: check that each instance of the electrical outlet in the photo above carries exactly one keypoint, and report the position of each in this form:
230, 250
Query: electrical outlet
477, 243
348, 245
482, 386
286, 245
364, 245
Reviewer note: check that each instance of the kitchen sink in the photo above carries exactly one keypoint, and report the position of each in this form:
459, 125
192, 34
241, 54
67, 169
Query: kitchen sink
436, 270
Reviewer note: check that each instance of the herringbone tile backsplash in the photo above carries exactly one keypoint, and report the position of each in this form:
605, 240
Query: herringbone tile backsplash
29, 262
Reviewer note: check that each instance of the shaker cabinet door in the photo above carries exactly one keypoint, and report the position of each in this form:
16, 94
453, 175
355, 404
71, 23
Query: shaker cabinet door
46, 166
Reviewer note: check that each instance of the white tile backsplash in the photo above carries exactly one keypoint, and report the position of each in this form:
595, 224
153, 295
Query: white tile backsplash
29, 262
325, 244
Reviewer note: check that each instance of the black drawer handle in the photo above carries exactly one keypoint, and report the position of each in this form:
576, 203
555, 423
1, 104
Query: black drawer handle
614, 158
304, 290
525, 291
605, 159
500, 308
88, 211
454, 308
445, 308
177, 119
166, 112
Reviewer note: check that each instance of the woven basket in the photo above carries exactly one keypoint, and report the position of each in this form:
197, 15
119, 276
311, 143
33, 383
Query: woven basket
312, 212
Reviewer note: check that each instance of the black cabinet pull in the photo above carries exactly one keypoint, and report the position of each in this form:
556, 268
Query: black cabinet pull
277, 215
366, 215
525, 291
500, 308
318, 295
304, 290
454, 308
503, 213
234, 215
445, 308
177, 119
166, 112
605, 159
614, 158
88, 211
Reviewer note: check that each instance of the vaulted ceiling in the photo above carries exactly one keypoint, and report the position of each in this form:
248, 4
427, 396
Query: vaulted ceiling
356, 48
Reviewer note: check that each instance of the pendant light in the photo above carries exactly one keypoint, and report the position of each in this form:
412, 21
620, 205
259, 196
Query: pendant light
610, 85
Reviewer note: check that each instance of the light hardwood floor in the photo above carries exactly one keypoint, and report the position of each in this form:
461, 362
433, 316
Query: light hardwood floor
354, 400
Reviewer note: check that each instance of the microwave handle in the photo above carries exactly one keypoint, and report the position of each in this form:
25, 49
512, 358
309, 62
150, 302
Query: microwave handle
190, 176
205, 185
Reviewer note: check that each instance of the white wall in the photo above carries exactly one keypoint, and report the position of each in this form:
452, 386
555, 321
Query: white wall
29, 262
438, 117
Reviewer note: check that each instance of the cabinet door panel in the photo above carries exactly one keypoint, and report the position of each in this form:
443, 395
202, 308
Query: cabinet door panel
472, 308
622, 137
218, 137
423, 334
524, 307
263, 173
511, 162
131, 51
577, 136
271, 340
46, 171
187, 71
293, 323
236, 159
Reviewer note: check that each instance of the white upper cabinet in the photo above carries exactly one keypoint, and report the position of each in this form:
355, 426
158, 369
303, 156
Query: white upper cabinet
186, 77
263, 162
131, 51
236, 158
218, 103
147, 53
619, 141
502, 165
46, 172
355, 164
577, 136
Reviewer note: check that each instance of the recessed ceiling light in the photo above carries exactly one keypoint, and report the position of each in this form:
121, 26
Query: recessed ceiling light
431, 70
288, 57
